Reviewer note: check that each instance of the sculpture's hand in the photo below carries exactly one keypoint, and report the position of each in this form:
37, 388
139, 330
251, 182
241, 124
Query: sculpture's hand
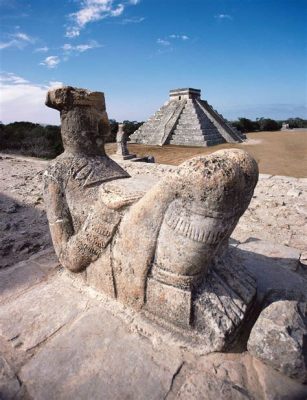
76, 250
86, 246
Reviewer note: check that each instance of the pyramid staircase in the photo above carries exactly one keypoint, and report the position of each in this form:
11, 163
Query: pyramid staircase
194, 128
186, 120
160, 126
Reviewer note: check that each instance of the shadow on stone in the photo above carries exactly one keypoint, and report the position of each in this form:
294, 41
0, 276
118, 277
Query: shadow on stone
24, 231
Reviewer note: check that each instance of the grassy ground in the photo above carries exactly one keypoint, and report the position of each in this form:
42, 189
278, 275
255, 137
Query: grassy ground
277, 153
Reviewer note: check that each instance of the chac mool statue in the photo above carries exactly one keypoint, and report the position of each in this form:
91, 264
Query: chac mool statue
161, 249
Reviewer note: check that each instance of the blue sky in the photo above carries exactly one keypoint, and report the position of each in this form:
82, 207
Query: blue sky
247, 56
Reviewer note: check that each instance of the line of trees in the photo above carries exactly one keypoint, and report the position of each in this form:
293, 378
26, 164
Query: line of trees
37, 140
45, 141
267, 124
31, 139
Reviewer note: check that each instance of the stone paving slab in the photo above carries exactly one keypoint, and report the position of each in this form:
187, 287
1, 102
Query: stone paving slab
275, 280
17, 279
231, 376
97, 358
75, 344
9, 384
39, 313
199, 386
284, 256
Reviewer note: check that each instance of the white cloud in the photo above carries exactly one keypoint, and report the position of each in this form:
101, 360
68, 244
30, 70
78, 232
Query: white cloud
41, 49
163, 42
22, 100
19, 40
80, 48
169, 40
51, 61
11, 78
72, 32
181, 37
223, 16
94, 10
117, 11
133, 20
22, 36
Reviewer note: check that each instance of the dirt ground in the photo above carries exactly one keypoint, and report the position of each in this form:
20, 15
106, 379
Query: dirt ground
277, 153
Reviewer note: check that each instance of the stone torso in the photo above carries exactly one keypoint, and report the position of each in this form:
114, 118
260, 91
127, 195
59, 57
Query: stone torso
79, 179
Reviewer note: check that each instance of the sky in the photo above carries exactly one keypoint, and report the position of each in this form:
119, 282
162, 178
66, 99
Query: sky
248, 57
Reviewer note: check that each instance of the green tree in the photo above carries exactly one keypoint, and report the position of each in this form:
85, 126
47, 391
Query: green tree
131, 126
246, 125
268, 124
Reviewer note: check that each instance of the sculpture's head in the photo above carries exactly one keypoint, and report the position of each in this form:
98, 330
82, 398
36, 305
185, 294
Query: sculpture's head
84, 121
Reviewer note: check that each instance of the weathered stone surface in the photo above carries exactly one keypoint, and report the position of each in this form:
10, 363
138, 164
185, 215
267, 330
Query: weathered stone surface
97, 353
272, 385
279, 338
284, 256
17, 279
182, 209
208, 387
9, 384
275, 217
303, 259
122, 235
121, 140
81, 227
120, 231
273, 281
37, 314
237, 376
97, 358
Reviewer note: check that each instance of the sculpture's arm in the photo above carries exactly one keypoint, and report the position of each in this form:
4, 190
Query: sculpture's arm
76, 250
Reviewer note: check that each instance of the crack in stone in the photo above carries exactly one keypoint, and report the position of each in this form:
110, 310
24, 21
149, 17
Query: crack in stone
177, 372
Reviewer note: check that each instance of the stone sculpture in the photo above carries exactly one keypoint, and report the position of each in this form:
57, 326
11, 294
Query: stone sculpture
121, 140
160, 248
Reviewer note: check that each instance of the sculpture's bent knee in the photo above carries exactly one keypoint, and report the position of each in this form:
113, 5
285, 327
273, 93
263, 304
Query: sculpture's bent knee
183, 222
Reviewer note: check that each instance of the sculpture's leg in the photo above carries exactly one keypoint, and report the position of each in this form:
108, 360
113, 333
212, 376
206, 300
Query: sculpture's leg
176, 229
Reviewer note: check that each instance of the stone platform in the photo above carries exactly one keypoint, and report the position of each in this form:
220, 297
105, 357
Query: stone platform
60, 339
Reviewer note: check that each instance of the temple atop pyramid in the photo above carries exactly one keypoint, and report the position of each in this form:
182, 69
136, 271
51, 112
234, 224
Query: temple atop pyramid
186, 120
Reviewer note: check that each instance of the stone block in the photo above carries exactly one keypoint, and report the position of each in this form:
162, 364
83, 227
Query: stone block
169, 302
274, 282
200, 386
284, 256
9, 384
20, 277
39, 313
279, 338
97, 358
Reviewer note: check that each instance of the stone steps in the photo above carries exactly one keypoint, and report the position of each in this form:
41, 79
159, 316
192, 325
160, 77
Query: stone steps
195, 135
195, 128
191, 142
184, 121
196, 132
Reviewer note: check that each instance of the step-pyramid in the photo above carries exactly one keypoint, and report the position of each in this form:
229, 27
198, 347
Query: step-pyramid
186, 120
